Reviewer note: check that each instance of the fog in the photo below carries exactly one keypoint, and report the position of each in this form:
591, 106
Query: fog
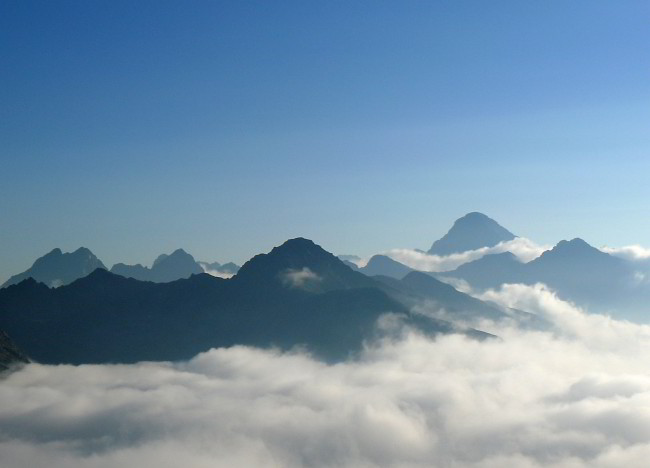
576, 395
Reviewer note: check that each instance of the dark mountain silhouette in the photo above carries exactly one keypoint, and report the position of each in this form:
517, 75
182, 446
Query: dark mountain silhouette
386, 266
471, 232
297, 294
10, 355
577, 271
165, 268
57, 268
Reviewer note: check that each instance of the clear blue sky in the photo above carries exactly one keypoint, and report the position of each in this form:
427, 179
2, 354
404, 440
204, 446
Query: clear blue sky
133, 128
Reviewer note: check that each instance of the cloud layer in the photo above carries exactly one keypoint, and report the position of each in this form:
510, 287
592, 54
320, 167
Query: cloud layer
629, 252
577, 395
525, 249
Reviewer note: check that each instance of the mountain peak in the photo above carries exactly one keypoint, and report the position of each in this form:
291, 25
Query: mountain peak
57, 268
386, 266
301, 257
573, 246
577, 252
473, 231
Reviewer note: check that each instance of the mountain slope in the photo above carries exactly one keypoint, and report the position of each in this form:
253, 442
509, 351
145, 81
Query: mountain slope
57, 268
471, 232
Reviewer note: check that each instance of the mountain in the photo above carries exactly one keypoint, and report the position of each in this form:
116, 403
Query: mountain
301, 264
574, 269
296, 295
179, 264
10, 355
57, 268
471, 232
386, 266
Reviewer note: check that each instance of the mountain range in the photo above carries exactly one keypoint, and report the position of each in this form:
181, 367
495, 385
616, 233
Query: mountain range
58, 269
574, 269
296, 295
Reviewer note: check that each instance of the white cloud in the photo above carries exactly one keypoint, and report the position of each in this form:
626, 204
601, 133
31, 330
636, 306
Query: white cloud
575, 396
300, 278
525, 249
629, 252
216, 273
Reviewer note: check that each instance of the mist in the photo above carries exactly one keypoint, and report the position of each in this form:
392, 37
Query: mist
576, 395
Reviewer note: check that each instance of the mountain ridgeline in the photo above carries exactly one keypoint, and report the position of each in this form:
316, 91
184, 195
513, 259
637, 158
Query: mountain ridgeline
296, 295
56, 268
179, 264
574, 269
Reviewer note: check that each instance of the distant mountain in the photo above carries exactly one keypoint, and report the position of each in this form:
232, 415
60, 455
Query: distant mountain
386, 266
297, 294
576, 270
57, 268
489, 271
10, 355
472, 231
165, 268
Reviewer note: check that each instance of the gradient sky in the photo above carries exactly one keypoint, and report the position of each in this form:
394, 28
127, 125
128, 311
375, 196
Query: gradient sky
134, 128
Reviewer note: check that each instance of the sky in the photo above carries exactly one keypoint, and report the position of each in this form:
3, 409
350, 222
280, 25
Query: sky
225, 128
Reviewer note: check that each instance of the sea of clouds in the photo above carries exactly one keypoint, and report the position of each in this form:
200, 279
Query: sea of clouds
575, 395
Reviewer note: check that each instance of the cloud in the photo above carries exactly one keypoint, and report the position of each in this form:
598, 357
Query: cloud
574, 396
629, 252
525, 249
300, 278
217, 273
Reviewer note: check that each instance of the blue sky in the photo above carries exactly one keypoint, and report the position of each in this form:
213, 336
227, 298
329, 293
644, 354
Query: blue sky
134, 128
